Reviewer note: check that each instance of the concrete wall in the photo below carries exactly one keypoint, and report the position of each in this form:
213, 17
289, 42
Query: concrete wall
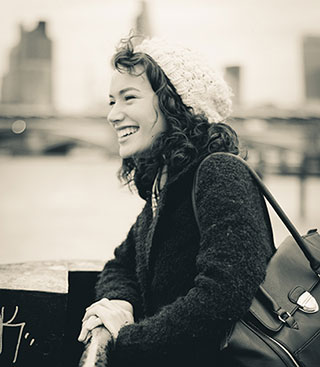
41, 307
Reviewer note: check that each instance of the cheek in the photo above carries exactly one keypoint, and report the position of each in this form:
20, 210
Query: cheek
143, 114
149, 121
150, 118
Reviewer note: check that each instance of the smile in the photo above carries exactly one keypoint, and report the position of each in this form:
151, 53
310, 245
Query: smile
127, 131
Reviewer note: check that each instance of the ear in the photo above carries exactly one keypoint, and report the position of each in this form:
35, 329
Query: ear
171, 103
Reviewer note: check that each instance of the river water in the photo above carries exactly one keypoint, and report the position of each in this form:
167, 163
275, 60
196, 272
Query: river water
74, 208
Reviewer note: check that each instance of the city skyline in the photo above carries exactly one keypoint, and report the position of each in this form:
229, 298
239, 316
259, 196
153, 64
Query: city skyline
262, 39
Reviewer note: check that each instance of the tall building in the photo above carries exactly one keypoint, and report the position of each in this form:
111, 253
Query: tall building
142, 26
28, 83
233, 78
311, 58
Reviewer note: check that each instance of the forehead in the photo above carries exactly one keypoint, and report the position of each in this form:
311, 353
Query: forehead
123, 80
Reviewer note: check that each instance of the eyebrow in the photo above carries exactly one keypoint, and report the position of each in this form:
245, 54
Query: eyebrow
122, 91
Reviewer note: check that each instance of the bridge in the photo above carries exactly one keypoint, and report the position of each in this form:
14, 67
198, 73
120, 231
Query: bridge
278, 143
56, 134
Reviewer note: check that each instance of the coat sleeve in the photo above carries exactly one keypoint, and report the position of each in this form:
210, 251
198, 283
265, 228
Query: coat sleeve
231, 263
118, 278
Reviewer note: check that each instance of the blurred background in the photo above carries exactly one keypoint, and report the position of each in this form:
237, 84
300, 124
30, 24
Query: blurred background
59, 195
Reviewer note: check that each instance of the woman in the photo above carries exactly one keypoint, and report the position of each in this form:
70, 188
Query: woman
170, 294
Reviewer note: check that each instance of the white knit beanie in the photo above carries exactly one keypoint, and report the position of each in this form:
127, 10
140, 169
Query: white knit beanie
198, 84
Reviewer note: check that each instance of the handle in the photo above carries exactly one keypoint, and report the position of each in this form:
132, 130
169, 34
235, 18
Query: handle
309, 251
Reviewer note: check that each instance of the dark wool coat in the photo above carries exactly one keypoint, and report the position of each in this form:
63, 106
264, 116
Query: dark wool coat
187, 290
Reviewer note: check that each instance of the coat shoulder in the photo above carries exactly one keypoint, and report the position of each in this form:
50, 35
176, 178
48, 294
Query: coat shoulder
224, 171
222, 163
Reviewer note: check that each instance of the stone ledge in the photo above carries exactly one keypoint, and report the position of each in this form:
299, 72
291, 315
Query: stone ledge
44, 276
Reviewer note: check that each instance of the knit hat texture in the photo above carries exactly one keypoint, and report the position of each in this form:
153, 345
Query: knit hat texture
198, 84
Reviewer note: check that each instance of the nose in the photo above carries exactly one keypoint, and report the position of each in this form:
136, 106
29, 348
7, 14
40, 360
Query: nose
115, 114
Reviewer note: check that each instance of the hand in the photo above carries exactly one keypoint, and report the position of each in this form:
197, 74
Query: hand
113, 314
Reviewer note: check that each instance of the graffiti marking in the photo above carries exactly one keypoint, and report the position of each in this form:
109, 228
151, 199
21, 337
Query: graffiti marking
9, 323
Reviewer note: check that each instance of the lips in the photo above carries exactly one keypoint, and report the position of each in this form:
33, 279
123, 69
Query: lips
127, 131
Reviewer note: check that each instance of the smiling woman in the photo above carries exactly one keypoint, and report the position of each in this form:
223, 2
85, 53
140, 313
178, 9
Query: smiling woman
135, 112
170, 294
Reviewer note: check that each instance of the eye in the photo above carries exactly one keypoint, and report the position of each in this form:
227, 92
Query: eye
129, 97
111, 103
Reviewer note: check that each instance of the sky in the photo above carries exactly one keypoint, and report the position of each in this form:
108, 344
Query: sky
85, 33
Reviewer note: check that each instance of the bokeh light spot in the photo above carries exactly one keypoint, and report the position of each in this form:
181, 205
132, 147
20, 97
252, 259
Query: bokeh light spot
19, 126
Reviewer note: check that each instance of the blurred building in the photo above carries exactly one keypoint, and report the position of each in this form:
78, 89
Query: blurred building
142, 21
142, 25
232, 77
311, 58
27, 86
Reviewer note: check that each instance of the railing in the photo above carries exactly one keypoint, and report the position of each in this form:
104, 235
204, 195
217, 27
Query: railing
95, 353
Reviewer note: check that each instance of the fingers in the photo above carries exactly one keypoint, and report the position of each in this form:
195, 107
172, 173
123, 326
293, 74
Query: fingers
112, 314
113, 306
102, 301
113, 318
87, 326
99, 311
90, 310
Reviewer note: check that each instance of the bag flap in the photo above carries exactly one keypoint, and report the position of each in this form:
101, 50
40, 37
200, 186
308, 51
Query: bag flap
287, 270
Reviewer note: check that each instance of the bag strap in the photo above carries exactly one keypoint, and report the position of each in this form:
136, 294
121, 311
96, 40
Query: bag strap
308, 250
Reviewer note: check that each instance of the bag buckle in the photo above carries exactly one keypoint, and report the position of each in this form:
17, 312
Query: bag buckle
307, 303
287, 319
284, 317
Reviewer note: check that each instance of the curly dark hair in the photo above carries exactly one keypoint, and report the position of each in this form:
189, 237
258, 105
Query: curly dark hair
189, 137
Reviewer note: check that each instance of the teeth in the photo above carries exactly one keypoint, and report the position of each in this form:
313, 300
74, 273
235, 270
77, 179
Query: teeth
127, 131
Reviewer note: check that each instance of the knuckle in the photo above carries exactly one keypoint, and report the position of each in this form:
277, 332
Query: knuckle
85, 327
104, 301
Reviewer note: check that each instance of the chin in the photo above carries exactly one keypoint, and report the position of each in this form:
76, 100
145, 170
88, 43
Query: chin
125, 153
130, 153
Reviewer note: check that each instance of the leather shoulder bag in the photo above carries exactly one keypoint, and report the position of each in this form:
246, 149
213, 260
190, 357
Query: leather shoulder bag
282, 326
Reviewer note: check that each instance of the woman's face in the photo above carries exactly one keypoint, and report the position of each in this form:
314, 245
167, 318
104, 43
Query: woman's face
135, 112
